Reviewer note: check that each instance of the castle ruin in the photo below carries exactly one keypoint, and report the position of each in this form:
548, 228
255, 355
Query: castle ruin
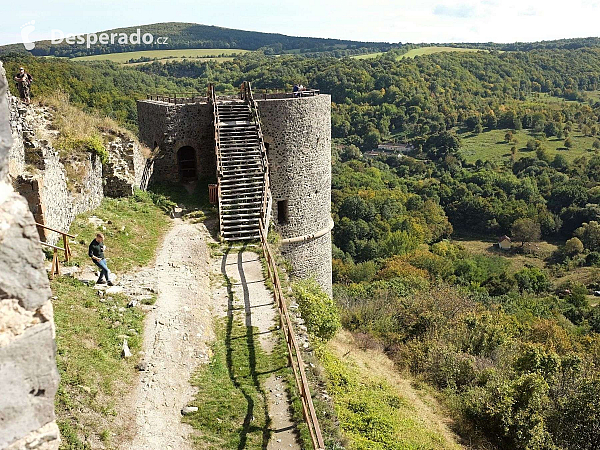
198, 137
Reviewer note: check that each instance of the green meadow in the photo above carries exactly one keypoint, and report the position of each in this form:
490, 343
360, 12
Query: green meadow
178, 54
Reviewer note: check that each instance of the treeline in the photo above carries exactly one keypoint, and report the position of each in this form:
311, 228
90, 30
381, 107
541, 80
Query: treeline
192, 35
515, 355
385, 98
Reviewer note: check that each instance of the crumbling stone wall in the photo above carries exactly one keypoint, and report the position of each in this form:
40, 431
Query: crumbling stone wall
28, 374
125, 166
171, 127
56, 190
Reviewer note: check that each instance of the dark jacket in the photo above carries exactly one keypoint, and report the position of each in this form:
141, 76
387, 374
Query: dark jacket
96, 249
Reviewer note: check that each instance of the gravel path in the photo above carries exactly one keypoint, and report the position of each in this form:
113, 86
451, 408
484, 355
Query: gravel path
177, 333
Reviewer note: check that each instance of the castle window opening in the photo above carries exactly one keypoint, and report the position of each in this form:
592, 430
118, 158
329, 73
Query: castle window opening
282, 212
186, 160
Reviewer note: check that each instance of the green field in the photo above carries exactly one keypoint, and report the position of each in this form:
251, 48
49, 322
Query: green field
171, 55
368, 55
419, 52
429, 50
491, 146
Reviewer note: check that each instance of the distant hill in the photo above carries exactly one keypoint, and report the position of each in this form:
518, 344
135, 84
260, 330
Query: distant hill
191, 35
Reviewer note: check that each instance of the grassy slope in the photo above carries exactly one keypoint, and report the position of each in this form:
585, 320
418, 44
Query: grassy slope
133, 229
90, 330
434, 49
162, 54
491, 146
232, 404
378, 409
419, 52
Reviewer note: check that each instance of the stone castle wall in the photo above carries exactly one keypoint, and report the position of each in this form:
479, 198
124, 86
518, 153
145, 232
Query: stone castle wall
297, 132
28, 374
170, 127
57, 190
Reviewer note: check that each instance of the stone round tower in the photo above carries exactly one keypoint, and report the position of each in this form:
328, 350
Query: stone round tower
297, 134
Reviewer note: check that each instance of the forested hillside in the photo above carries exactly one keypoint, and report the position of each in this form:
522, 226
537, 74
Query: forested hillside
510, 338
193, 35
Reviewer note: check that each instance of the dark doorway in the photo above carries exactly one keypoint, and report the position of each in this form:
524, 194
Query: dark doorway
186, 159
282, 212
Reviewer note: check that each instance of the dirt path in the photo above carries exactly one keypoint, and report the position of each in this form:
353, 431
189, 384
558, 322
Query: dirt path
175, 340
258, 309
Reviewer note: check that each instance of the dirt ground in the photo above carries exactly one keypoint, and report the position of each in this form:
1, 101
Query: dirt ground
177, 333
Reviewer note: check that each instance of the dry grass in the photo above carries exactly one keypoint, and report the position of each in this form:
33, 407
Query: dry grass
71, 122
426, 421
536, 254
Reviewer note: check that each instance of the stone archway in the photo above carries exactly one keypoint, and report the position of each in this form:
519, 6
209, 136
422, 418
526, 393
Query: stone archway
186, 161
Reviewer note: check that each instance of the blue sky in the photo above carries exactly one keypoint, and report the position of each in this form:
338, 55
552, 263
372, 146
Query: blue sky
372, 20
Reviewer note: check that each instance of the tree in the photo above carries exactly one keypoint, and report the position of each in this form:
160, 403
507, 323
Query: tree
568, 142
439, 145
589, 234
596, 144
508, 136
573, 246
525, 230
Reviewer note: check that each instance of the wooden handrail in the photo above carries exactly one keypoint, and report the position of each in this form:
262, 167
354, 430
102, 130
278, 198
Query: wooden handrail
294, 355
55, 269
57, 231
65, 237
52, 246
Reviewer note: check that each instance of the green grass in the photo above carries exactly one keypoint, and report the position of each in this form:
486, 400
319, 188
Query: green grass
372, 415
594, 95
90, 330
368, 55
212, 53
132, 230
434, 49
491, 146
89, 336
232, 404
418, 52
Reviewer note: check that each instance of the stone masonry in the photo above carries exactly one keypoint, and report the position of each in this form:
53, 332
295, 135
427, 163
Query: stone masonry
297, 132
58, 189
28, 374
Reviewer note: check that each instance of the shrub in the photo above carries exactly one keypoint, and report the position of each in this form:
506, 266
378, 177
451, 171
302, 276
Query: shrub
532, 279
578, 420
317, 309
92, 144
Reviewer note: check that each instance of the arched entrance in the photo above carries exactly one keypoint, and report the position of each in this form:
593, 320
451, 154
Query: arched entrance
186, 160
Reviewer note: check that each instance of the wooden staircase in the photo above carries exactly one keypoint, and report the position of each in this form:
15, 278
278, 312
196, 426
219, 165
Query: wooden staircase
242, 167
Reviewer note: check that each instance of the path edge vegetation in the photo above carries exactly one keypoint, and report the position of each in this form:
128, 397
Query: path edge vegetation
90, 329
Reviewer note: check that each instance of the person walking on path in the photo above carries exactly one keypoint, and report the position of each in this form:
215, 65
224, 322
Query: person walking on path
96, 252
24, 81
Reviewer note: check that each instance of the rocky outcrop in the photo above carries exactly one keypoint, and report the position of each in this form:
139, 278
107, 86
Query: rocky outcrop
28, 374
58, 187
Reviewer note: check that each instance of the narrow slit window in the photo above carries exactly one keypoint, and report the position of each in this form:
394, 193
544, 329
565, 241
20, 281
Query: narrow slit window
282, 212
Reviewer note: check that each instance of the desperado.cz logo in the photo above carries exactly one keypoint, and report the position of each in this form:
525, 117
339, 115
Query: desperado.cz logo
91, 39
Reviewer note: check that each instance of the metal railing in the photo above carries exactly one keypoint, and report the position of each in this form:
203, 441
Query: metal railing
181, 98
294, 355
